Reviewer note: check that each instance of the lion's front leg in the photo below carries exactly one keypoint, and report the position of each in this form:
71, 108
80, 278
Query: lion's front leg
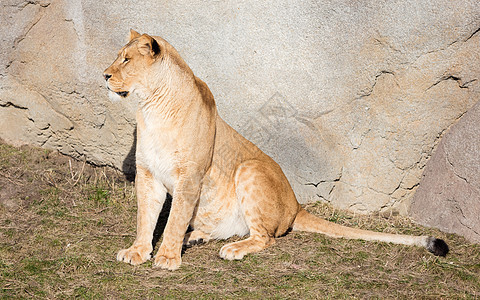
150, 198
185, 198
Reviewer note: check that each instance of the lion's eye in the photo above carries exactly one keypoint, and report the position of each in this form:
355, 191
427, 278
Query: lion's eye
125, 60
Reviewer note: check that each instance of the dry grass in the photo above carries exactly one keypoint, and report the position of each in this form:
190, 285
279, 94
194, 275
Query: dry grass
62, 222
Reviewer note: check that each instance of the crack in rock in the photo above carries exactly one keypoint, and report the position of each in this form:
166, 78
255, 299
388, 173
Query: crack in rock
333, 182
472, 35
38, 16
461, 84
367, 92
445, 48
337, 179
452, 167
462, 220
10, 104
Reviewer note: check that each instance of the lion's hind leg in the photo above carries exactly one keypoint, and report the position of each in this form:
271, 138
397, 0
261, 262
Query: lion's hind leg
237, 250
258, 188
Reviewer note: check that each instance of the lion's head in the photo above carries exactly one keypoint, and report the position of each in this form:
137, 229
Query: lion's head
130, 71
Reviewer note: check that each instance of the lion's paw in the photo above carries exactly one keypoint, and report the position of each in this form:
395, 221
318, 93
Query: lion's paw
232, 251
195, 237
135, 255
171, 263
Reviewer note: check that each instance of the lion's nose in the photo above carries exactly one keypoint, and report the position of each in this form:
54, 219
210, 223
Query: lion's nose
107, 76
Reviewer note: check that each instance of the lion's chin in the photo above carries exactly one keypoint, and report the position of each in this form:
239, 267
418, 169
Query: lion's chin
115, 97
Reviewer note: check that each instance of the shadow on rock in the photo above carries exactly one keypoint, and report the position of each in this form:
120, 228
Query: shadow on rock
129, 167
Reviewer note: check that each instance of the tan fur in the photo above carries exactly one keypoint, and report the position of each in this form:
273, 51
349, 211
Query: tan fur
222, 184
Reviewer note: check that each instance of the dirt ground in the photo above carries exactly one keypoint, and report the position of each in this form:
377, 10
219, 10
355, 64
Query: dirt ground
62, 222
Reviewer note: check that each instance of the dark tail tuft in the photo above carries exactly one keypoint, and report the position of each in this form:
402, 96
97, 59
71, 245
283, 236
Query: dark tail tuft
437, 246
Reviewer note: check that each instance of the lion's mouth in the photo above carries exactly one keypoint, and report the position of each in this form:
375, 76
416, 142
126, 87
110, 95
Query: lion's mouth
122, 94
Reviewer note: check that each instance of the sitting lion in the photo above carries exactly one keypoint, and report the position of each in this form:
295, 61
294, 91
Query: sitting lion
181, 145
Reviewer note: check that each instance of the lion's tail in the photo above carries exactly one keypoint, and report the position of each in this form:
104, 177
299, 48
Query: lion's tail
305, 221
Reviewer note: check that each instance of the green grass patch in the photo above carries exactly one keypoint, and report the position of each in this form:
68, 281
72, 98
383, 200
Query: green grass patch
100, 196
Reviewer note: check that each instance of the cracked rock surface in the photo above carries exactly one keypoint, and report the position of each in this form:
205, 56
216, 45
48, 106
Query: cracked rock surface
448, 196
350, 99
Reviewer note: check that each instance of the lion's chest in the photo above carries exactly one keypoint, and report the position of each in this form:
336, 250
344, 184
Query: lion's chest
154, 151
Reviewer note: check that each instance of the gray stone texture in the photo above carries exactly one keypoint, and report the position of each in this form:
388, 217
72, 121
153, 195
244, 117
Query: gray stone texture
350, 97
448, 196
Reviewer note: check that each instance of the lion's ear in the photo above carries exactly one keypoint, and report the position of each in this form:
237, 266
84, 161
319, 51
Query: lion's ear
148, 45
133, 35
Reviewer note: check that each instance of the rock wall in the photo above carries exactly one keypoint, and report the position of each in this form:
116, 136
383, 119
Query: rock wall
448, 196
349, 97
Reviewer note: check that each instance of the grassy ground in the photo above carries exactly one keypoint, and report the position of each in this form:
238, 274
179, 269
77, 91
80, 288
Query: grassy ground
62, 222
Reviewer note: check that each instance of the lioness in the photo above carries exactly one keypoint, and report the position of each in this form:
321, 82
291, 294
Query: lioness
222, 184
